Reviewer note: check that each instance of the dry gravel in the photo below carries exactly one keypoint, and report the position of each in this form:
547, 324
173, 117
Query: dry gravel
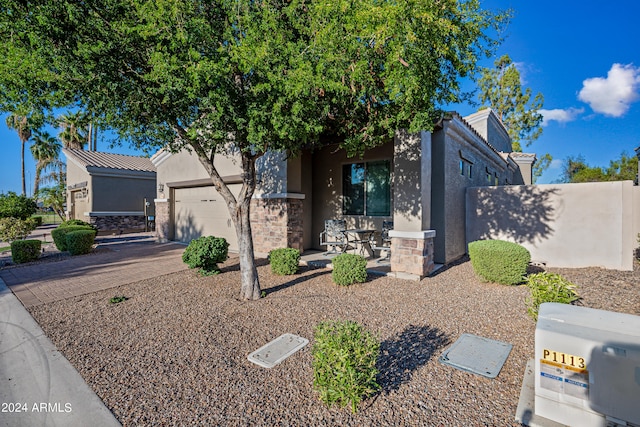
175, 353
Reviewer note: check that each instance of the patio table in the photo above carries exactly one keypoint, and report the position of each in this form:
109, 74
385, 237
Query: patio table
360, 237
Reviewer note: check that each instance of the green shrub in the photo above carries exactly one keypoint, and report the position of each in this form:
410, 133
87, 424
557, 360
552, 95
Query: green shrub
205, 253
80, 242
38, 220
15, 229
344, 363
15, 206
25, 250
59, 234
499, 261
284, 261
548, 287
76, 222
349, 269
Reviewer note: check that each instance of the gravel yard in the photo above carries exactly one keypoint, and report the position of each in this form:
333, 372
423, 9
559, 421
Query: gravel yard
175, 352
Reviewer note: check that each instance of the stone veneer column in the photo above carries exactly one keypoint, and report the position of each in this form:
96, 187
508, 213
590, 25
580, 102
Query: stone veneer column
276, 222
163, 220
412, 253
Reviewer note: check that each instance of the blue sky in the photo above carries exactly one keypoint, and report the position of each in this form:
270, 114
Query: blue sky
583, 56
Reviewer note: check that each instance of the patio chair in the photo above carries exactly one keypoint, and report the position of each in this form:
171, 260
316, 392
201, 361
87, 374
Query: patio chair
334, 236
385, 242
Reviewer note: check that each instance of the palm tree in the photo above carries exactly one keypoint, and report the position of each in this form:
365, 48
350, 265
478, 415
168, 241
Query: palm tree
75, 131
55, 198
46, 151
23, 126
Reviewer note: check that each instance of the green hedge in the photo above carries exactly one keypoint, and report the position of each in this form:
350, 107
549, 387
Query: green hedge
80, 241
349, 269
344, 363
59, 234
25, 250
205, 253
284, 261
499, 261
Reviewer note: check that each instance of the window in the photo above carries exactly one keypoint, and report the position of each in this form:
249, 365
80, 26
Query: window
366, 188
465, 166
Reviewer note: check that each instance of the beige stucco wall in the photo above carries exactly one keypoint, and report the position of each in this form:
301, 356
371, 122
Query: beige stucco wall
453, 142
412, 181
562, 225
77, 207
185, 166
327, 188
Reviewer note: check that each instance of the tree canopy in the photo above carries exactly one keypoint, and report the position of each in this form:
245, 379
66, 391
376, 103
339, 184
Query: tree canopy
501, 90
575, 169
244, 76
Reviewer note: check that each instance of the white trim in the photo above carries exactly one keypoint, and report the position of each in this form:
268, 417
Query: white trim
421, 235
299, 196
115, 213
120, 173
160, 200
159, 157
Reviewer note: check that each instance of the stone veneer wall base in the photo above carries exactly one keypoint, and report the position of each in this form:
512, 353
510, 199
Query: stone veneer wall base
412, 254
276, 223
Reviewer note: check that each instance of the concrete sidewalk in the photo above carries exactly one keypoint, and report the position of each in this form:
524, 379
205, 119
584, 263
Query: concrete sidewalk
38, 385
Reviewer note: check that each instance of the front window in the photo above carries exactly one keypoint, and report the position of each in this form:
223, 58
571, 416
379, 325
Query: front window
366, 188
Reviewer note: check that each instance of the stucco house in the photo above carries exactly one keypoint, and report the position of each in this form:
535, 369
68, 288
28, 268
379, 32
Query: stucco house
418, 181
110, 190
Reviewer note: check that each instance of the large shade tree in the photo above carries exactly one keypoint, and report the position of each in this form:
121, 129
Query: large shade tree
247, 76
501, 90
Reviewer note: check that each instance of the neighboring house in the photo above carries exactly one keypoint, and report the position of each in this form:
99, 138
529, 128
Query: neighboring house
417, 180
110, 190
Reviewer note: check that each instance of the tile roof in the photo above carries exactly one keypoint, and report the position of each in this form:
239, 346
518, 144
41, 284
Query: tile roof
97, 159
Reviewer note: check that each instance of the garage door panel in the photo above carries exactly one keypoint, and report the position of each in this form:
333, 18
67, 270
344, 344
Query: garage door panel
201, 211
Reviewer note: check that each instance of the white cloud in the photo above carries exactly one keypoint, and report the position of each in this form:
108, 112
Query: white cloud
612, 95
559, 115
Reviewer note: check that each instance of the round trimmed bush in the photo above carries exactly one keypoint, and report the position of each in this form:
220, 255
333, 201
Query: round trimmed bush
59, 234
25, 250
284, 261
499, 261
205, 253
80, 242
349, 269
73, 222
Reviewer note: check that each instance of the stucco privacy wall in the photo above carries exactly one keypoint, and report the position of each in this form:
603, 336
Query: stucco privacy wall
563, 225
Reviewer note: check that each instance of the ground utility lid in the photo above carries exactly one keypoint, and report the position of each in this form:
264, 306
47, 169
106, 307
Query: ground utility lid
477, 355
277, 350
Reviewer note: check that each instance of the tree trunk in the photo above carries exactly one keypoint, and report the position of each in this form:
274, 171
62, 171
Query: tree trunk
239, 208
24, 183
36, 182
250, 284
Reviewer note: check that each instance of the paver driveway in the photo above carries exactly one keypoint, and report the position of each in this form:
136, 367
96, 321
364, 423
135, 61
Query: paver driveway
117, 262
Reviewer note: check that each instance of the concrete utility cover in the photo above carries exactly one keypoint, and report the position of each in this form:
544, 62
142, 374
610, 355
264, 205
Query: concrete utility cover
477, 355
277, 350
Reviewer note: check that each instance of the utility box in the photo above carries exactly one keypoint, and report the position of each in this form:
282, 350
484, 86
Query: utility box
587, 366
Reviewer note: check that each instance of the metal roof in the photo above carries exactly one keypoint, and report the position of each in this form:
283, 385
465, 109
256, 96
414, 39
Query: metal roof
96, 159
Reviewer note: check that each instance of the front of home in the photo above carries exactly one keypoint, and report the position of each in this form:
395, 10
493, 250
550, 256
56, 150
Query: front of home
113, 191
418, 181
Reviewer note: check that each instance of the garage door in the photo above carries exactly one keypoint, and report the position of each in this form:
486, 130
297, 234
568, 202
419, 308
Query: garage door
201, 211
